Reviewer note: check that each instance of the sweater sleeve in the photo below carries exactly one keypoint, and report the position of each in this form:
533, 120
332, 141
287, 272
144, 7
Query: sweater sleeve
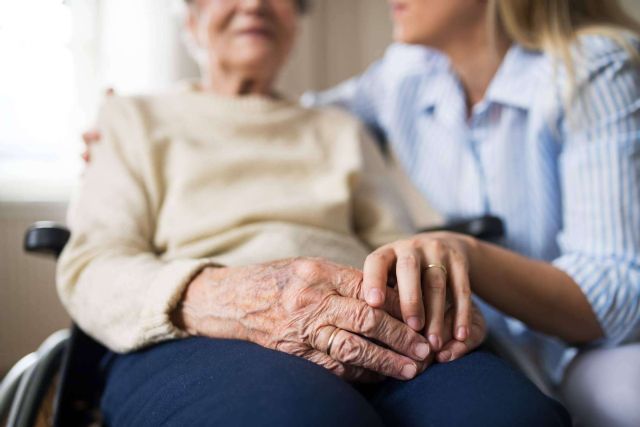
381, 216
110, 277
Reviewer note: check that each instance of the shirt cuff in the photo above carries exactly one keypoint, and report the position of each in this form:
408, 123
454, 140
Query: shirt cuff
612, 287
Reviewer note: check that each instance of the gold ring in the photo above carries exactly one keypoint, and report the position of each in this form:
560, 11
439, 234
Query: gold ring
331, 338
440, 266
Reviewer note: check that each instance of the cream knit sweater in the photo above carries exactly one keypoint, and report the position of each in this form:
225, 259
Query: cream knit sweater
187, 179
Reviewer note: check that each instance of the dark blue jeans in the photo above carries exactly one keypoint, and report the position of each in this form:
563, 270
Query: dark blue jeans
210, 382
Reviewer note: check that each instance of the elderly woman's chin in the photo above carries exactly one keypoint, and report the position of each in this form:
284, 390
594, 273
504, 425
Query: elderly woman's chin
257, 51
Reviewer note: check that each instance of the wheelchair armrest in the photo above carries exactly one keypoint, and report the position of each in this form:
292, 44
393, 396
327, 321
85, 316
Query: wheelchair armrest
488, 228
46, 237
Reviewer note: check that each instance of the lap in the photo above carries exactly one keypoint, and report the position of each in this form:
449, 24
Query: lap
602, 387
200, 381
477, 390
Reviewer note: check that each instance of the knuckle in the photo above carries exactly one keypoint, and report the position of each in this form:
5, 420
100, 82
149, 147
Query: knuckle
378, 256
408, 261
458, 257
307, 267
349, 349
318, 335
336, 368
366, 319
464, 292
412, 300
437, 246
387, 365
401, 337
292, 348
353, 283
437, 285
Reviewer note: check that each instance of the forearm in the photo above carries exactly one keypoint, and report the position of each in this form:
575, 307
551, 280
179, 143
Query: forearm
542, 296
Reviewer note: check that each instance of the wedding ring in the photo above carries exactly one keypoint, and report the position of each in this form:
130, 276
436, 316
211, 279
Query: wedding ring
440, 266
331, 338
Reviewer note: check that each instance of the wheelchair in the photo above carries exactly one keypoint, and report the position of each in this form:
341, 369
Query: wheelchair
68, 362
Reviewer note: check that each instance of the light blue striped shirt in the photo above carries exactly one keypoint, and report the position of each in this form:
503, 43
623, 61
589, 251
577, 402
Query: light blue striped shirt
567, 186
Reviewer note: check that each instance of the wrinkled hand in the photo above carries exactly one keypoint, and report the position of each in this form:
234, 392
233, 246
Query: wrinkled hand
295, 306
425, 292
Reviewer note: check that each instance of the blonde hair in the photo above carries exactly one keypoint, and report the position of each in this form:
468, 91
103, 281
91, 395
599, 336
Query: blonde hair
555, 26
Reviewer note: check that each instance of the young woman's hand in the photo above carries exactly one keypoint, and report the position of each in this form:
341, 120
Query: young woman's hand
432, 275
92, 136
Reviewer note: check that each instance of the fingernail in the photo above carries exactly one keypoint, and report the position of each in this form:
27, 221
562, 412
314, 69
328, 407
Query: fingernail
434, 340
374, 297
445, 356
421, 350
461, 335
414, 323
409, 371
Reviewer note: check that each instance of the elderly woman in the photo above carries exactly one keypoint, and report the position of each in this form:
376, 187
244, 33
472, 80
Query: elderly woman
192, 258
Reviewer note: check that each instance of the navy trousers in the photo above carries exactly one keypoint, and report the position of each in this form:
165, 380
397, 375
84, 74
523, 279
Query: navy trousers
211, 382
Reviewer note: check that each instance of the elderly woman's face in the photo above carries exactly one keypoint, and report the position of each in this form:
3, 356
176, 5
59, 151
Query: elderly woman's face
434, 22
245, 33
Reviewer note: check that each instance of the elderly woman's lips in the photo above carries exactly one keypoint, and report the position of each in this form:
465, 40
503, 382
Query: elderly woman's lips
259, 32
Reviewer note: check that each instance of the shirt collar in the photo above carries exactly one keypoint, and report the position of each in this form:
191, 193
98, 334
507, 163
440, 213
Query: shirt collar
516, 81
514, 84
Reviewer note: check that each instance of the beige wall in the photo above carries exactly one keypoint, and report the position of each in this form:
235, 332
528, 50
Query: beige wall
339, 39
633, 7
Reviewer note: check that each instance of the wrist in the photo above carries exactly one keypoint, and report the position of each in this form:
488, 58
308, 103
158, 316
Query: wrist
185, 314
227, 302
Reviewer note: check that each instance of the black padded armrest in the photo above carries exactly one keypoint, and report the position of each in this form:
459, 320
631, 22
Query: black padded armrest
484, 228
46, 237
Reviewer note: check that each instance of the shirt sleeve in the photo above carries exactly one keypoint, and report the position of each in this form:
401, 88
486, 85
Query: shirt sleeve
357, 96
600, 177
110, 277
380, 215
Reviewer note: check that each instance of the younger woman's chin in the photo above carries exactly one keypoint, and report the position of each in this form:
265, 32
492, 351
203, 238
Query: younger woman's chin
402, 36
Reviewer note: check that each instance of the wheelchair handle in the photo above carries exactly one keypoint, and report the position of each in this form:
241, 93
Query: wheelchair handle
46, 237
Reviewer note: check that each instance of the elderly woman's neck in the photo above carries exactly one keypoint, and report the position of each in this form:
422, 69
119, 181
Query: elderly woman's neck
235, 83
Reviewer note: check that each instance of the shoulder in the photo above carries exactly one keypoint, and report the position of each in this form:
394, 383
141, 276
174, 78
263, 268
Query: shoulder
332, 118
334, 124
595, 50
604, 59
127, 123
604, 72
403, 60
399, 65
140, 112
152, 107
607, 71
117, 107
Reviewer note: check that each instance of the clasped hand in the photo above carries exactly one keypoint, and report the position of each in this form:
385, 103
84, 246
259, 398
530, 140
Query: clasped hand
430, 272
315, 309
